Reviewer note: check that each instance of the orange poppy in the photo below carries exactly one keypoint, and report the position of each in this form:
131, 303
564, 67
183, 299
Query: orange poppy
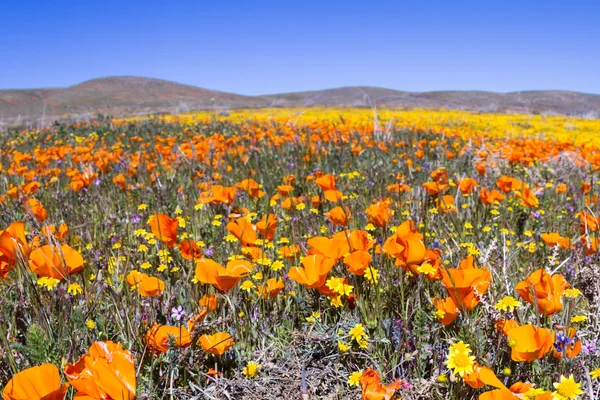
590, 244
271, 288
216, 344
218, 195
528, 197
435, 188
490, 197
406, 245
106, 372
13, 244
446, 204
290, 251
379, 213
356, 239
147, 286
160, 337
50, 231
327, 184
313, 272
251, 187
209, 302
544, 290
267, 225
530, 342
164, 228
55, 262
243, 230
482, 376
512, 393
189, 249
553, 239
37, 209
339, 216
335, 248
358, 261
373, 389
588, 222
446, 310
222, 278
120, 181
467, 185
36, 383
467, 283
505, 325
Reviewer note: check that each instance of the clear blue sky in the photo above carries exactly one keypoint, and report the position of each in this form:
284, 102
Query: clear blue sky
259, 47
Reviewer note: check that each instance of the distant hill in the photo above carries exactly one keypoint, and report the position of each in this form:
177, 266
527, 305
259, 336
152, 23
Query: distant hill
125, 95
117, 96
543, 101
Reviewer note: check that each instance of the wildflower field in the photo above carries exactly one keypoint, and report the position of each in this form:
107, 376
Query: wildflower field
302, 254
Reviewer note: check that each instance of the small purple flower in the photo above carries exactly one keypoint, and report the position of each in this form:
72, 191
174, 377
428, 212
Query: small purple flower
209, 252
536, 215
589, 347
177, 313
97, 182
135, 219
292, 165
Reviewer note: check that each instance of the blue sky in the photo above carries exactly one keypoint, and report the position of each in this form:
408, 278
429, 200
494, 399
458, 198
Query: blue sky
258, 47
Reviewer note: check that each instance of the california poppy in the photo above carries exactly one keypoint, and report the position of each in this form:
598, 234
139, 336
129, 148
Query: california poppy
327, 183
358, 261
530, 342
36, 383
189, 249
339, 216
482, 376
466, 185
373, 389
164, 228
544, 290
243, 230
37, 209
446, 310
55, 262
222, 278
313, 272
106, 372
251, 187
271, 288
406, 245
216, 344
379, 213
267, 225
13, 244
159, 337
147, 286
209, 302
490, 197
334, 248
467, 283
553, 239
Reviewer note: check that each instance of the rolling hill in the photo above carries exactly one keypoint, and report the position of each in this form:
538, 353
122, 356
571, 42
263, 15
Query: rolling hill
123, 95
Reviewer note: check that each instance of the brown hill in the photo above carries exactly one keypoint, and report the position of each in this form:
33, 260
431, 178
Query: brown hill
134, 95
544, 101
117, 95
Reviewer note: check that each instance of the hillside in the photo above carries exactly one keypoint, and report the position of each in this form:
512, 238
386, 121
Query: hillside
545, 101
135, 95
117, 95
